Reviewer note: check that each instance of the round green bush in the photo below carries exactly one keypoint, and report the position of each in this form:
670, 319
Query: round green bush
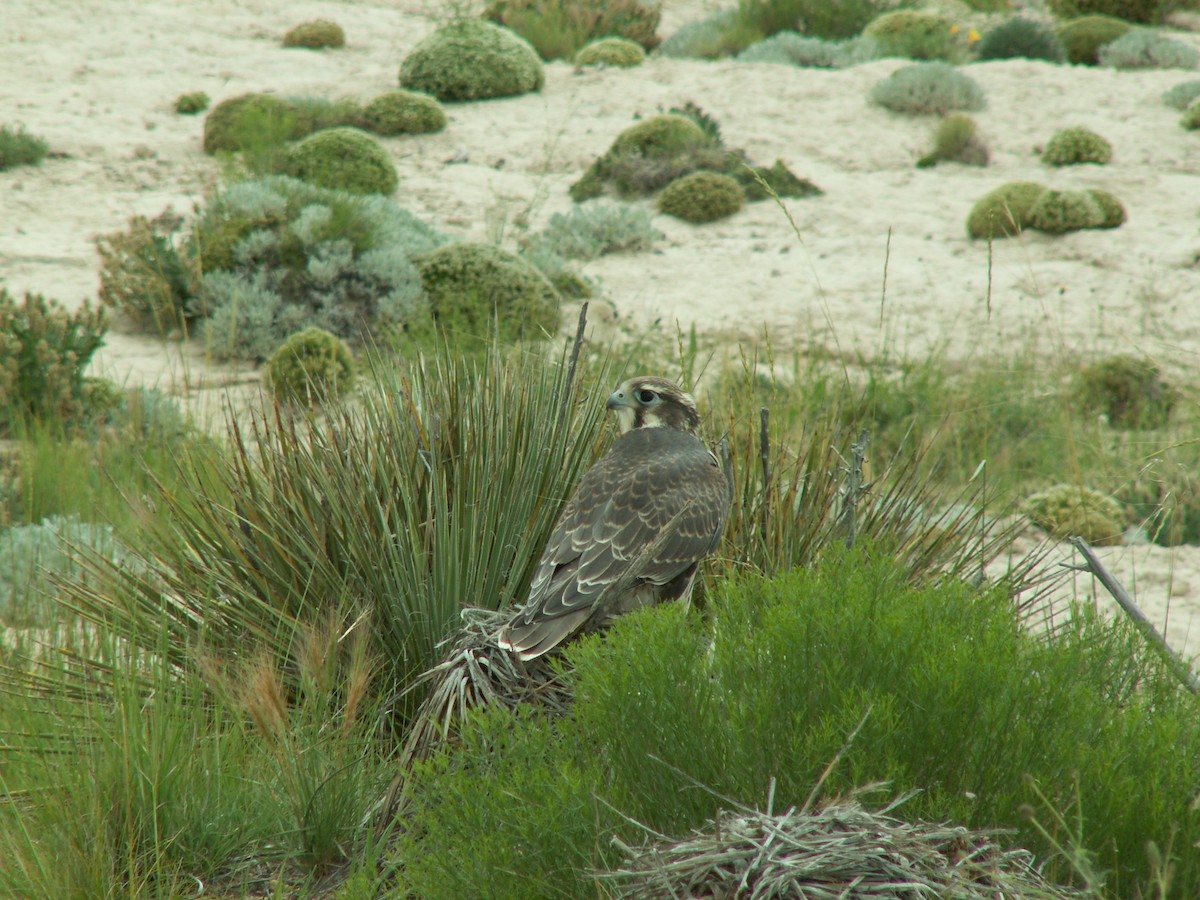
659, 136
1021, 37
312, 366
226, 125
1071, 510
344, 159
479, 288
611, 51
911, 34
1075, 146
403, 112
1004, 211
472, 60
316, 35
1082, 38
1129, 391
701, 197
1110, 207
1059, 212
190, 104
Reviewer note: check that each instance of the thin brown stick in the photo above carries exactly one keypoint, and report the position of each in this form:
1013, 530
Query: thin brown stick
1182, 670
858, 452
565, 408
764, 453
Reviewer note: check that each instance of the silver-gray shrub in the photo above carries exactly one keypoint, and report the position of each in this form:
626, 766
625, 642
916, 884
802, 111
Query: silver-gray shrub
309, 256
595, 228
32, 557
707, 39
928, 88
1146, 49
794, 49
1182, 95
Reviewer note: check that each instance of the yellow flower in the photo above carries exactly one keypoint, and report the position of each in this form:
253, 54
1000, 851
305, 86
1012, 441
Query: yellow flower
972, 36
954, 29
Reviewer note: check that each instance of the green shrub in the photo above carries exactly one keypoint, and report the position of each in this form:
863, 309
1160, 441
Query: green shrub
311, 367
250, 119
280, 255
676, 717
1145, 12
190, 104
701, 197
316, 35
1144, 49
1130, 392
403, 112
780, 180
1058, 212
1082, 38
1182, 95
815, 18
928, 88
721, 34
648, 155
956, 140
611, 52
478, 289
790, 48
20, 148
1112, 210
472, 60
557, 29
1004, 211
1021, 37
912, 35
593, 229
343, 159
1071, 510
44, 350
145, 275
1075, 146
1191, 117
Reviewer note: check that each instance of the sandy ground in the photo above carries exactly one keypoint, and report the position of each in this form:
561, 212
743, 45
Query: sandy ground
97, 79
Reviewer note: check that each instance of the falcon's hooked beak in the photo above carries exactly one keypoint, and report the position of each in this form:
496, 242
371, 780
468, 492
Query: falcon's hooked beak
625, 410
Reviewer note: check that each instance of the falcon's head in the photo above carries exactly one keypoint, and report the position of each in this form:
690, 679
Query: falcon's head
649, 402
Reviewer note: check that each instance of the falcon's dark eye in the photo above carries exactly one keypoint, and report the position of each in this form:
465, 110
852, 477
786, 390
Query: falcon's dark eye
646, 396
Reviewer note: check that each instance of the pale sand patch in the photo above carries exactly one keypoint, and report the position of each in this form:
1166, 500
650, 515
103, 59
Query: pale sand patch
97, 79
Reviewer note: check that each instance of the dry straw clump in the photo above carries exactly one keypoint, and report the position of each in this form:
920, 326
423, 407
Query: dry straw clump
841, 850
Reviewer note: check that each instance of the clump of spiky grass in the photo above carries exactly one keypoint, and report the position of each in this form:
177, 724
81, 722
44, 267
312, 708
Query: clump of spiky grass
825, 854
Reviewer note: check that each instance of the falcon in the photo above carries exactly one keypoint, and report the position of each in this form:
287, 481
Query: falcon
634, 532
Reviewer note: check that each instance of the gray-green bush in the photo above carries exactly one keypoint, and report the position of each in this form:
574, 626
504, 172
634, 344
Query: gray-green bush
595, 228
793, 49
1145, 49
928, 88
1181, 96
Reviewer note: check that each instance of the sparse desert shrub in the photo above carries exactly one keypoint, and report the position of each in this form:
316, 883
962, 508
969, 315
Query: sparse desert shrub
343, 159
44, 350
479, 289
472, 60
791, 48
1059, 212
557, 29
403, 112
248, 119
1082, 38
911, 34
595, 228
1111, 208
779, 178
816, 18
1004, 211
1164, 501
1127, 390
1075, 146
20, 148
191, 104
701, 197
1021, 37
318, 34
956, 140
647, 156
1182, 95
721, 34
311, 367
1144, 12
928, 88
145, 275
280, 255
1071, 510
1145, 49
619, 52
1191, 116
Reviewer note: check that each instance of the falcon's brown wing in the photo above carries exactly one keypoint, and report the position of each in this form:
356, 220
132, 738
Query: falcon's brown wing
656, 488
